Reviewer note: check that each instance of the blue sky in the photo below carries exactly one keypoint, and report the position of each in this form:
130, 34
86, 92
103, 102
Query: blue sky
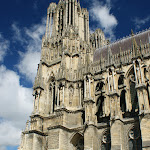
21, 29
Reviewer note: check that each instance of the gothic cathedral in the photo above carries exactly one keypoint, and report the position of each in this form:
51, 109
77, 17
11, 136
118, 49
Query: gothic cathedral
89, 94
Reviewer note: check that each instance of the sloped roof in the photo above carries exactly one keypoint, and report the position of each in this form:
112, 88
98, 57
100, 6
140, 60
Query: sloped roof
125, 44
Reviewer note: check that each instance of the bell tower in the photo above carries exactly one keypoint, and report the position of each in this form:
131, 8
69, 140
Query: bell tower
58, 91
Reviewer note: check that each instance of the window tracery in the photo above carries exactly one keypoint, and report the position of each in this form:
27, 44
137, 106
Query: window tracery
100, 108
123, 101
52, 91
133, 91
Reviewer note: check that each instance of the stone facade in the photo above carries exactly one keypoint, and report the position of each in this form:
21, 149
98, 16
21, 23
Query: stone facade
89, 94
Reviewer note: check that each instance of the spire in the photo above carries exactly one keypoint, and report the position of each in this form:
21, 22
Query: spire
109, 55
132, 33
140, 48
140, 45
101, 60
27, 126
120, 55
39, 78
134, 44
87, 60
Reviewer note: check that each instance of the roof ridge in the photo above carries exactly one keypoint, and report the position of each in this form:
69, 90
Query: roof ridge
129, 36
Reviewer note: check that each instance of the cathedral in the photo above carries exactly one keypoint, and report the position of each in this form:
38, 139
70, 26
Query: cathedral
89, 94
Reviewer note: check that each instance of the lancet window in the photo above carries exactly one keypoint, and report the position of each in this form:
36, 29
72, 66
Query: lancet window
134, 97
133, 92
36, 101
99, 86
100, 107
70, 12
61, 20
110, 80
85, 28
123, 101
138, 74
49, 24
52, 94
121, 80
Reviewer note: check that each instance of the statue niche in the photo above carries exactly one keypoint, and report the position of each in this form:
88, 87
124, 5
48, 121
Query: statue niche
133, 91
100, 108
123, 101
71, 91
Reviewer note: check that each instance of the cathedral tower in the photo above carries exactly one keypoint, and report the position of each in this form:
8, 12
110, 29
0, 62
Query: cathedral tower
89, 94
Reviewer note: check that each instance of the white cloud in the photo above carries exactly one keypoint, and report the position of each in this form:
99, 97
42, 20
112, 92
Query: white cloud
100, 13
18, 35
4, 46
28, 64
139, 22
16, 100
15, 106
2, 148
9, 134
31, 39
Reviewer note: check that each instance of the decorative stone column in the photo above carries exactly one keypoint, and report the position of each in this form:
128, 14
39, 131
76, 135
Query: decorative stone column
90, 134
63, 103
85, 86
66, 13
47, 25
117, 138
89, 87
52, 98
145, 130
73, 12
58, 96
70, 12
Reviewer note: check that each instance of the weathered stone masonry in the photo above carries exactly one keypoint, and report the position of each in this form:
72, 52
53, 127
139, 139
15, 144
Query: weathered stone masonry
89, 94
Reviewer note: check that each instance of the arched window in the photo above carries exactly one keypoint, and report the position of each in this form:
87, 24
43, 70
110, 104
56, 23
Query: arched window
110, 72
85, 24
135, 142
52, 94
133, 91
99, 86
61, 20
106, 141
100, 107
137, 71
78, 142
121, 80
134, 97
123, 101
